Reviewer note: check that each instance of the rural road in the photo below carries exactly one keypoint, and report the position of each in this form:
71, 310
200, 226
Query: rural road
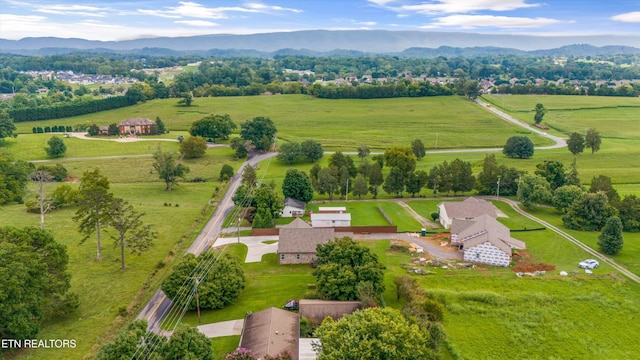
159, 305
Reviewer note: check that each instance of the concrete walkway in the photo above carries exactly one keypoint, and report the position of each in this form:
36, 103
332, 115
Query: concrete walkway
223, 328
255, 245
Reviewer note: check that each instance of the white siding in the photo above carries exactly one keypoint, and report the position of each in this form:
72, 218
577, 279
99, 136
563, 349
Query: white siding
444, 218
486, 253
290, 211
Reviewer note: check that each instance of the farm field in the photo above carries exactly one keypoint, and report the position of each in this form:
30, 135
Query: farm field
337, 124
103, 289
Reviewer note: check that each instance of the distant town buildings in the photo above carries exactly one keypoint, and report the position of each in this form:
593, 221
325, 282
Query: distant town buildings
79, 78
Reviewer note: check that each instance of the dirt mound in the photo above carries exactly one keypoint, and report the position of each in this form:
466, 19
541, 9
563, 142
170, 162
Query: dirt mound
533, 267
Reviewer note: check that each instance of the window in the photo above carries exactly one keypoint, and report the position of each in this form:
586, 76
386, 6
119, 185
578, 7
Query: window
281, 256
297, 256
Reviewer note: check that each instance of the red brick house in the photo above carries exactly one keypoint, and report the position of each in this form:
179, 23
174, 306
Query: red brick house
135, 126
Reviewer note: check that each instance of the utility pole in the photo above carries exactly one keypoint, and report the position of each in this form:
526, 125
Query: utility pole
196, 283
239, 219
498, 189
346, 196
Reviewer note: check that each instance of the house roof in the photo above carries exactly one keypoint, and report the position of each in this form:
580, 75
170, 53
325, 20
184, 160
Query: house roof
472, 232
332, 209
136, 121
330, 216
270, 332
318, 310
300, 240
469, 208
294, 203
296, 224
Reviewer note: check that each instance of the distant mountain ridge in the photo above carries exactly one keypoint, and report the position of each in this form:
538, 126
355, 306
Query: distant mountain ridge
341, 43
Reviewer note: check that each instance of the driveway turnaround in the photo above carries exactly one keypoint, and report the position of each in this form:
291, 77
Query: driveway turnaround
256, 247
224, 328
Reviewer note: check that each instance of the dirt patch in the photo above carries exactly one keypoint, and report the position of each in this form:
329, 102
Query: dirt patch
524, 263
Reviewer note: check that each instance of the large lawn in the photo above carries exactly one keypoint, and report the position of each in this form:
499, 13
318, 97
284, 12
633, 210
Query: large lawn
102, 287
337, 124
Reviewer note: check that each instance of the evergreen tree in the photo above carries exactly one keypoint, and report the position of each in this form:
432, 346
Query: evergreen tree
610, 239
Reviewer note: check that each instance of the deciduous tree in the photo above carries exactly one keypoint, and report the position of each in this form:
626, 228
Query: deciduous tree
218, 276
533, 189
188, 343
603, 183
418, 149
193, 147
290, 152
7, 127
297, 185
14, 177
553, 172
240, 146
328, 182
589, 213
311, 150
518, 147
213, 127
565, 196
168, 168
56, 147
395, 182
372, 334
363, 151
576, 143
260, 131
360, 186
629, 209
133, 342
375, 179
226, 172
540, 111
593, 140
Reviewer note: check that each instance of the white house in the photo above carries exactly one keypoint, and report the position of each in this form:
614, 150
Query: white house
469, 208
483, 239
292, 207
330, 219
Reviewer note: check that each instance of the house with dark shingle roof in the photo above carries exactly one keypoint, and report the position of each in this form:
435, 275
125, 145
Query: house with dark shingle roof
293, 207
135, 126
271, 332
297, 245
467, 209
483, 239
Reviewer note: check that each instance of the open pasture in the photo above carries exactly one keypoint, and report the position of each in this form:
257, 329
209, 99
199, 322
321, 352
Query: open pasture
613, 117
440, 122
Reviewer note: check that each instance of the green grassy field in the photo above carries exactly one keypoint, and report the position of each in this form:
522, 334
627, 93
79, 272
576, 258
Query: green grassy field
104, 289
336, 124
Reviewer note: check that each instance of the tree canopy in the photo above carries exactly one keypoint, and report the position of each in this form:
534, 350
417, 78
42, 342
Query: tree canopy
14, 177
213, 127
342, 265
260, 131
56, 147
540, 111
131, 232
168, 168
35, 281
589, 213
297, 185
629, 209
311, 150
373, 334
193, 147
518, 147
7, 127
593, 140
94, 204
533, 189
576, 143
610, 239
220, 279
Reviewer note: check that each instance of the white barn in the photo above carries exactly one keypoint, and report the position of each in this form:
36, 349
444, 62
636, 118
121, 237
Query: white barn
469, 208
483, 239
320, 220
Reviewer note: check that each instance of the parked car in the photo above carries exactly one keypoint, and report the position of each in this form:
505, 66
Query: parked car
589, 264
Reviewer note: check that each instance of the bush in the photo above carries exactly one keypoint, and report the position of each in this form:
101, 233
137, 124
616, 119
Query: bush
193, 147
226, 172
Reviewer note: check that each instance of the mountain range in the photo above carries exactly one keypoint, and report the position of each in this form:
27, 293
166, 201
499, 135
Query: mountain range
341, 43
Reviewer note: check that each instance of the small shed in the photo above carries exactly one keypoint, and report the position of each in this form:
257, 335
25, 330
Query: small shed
318, 310
332, 209
323, 220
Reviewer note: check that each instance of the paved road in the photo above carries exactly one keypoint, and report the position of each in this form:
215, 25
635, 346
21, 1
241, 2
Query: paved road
159, 305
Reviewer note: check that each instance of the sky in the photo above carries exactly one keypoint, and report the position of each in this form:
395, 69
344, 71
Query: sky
125, 20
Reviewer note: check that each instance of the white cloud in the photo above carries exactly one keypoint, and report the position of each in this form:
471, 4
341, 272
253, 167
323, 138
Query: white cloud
504, 22
632, 17
197, 23
455, 6
195, 10
365, 23
79, 10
